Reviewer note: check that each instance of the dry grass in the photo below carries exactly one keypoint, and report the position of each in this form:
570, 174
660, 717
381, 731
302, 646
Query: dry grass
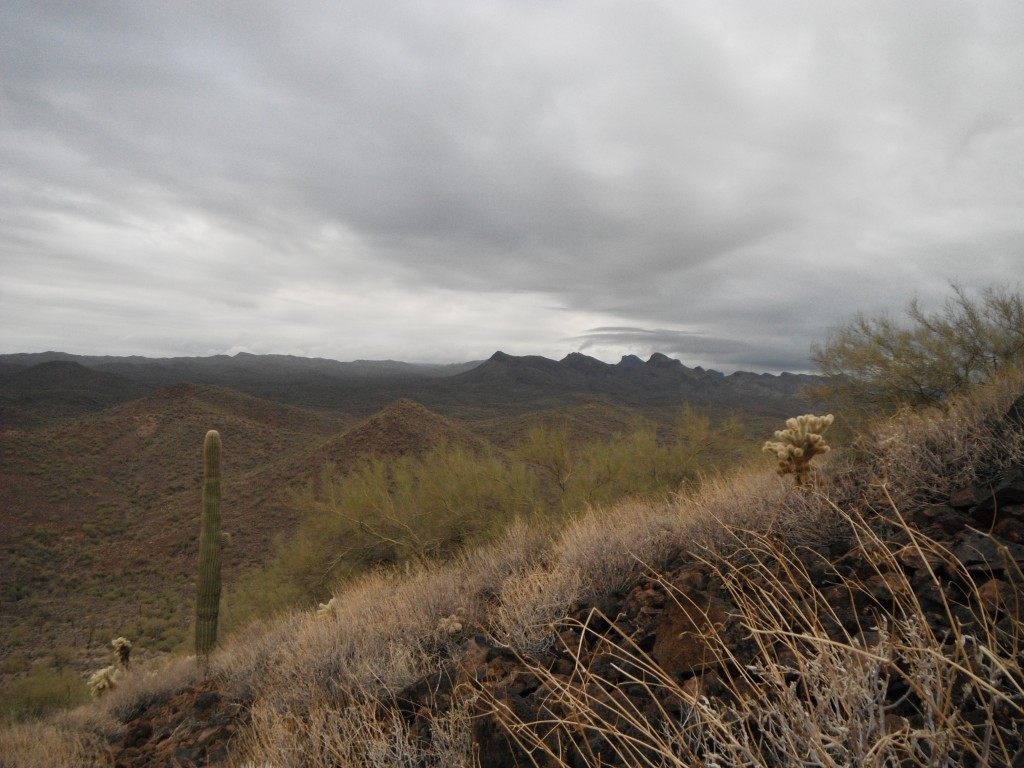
58, 741
355, 734
812, 693
894, 691
925, 455
386, 628
145, 683
324, 688
76, 737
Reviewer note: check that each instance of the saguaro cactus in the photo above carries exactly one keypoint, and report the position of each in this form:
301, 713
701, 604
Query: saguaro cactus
208, 591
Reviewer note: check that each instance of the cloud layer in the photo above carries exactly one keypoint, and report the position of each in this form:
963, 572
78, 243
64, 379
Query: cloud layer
719, 181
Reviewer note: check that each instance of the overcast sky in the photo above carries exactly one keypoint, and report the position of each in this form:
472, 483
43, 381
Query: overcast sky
433, 181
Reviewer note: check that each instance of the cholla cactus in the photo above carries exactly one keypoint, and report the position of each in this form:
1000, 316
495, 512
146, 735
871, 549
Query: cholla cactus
800, 442
326, 610
450, 625
122, 650
106, 679
103, 681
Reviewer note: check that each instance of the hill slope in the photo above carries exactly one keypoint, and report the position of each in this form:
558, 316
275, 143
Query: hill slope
99, 495
874, 617
99, 515
59, 389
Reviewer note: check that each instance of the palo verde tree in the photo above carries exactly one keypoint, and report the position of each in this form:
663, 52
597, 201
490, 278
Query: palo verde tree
879, 364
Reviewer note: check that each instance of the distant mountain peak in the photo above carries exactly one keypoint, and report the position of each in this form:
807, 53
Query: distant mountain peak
577, 361
659, 359
630, 361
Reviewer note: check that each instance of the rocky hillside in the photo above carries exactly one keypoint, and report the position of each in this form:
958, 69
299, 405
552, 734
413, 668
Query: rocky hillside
874, 618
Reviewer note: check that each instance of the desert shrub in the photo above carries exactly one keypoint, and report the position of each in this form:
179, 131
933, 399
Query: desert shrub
644, 461
384, 513
879, 364
45, 688
390, 512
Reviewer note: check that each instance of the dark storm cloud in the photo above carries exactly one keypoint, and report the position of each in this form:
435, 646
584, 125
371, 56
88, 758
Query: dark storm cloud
401, 179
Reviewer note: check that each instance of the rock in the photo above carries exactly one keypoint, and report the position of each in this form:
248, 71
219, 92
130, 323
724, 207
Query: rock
190, 728
919, 558
1011, 526
939, 520
978, 551
998, 596
683, 641
138, 733
205, 700
986, 501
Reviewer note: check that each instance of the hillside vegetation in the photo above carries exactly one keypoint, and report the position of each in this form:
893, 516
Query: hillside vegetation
414, 507
872, 619
99, 512
98, 519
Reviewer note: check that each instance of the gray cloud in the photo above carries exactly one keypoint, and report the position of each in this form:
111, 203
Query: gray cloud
695, 348
438, 181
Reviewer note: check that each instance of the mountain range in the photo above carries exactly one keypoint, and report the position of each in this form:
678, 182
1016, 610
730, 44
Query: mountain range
43, 387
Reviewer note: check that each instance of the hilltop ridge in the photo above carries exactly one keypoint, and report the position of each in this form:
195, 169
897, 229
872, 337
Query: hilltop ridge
660, 381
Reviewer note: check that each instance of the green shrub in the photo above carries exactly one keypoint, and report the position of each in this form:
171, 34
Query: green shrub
406, 509
389, 512
643, 461
878, 364
42, 690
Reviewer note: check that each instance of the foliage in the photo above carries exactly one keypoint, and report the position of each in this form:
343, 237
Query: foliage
877, 364
388, 512
326, 689
45, 688
638, 462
